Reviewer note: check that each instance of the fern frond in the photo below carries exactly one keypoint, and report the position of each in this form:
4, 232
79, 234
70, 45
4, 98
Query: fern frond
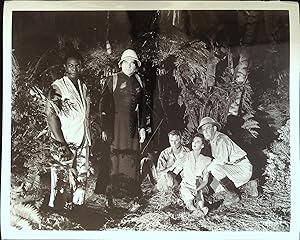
19, 223
253, 133
27, 212
247, 98
250, 124
28, 199
35, 91
34, 180
15, 192
247, 116
41, 133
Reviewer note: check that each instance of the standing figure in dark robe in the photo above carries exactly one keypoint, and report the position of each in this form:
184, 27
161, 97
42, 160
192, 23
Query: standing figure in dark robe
126, 119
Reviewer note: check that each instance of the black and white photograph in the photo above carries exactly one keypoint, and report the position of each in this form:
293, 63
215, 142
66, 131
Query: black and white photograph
160, 118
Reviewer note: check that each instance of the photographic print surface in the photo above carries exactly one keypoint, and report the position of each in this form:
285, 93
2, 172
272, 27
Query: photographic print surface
151, 118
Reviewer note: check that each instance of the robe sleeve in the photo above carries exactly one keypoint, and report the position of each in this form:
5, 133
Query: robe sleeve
106, 108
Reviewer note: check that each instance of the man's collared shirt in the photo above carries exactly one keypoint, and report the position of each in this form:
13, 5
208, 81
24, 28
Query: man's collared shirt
168, 161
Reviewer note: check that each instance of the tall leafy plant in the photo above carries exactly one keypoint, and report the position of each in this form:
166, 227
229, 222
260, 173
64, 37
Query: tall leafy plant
202, 93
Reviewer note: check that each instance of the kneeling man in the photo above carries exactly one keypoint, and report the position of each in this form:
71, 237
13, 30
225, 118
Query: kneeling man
230, 165
166, 174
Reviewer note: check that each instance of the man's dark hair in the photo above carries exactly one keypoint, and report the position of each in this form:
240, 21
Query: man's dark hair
73, 54
175, 133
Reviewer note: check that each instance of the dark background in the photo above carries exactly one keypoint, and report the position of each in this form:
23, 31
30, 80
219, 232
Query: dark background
34, 32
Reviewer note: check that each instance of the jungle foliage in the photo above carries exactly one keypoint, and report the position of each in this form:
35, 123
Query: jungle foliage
212, 78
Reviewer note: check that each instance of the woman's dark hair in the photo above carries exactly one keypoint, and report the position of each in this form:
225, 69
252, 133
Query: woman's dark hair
206, 150
199, 135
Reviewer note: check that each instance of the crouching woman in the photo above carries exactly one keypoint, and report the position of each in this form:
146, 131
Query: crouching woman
193, 178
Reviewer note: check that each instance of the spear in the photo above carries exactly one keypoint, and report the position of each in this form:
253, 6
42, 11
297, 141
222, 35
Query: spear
161, 121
